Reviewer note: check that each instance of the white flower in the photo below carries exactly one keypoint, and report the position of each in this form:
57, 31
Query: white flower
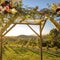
13, 11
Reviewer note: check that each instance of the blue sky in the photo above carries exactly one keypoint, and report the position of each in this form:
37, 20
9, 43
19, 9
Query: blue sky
41, 3
23, 29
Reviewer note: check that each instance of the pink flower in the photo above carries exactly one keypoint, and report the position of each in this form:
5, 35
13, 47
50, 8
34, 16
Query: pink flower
7, 8
0, 8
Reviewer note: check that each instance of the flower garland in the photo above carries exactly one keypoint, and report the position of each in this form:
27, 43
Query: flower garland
6, 8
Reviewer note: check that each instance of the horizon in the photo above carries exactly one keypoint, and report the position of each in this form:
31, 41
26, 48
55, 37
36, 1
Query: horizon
25, 35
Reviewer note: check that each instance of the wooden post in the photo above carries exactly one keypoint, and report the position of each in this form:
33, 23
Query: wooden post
41, 56
1, 47
40, 37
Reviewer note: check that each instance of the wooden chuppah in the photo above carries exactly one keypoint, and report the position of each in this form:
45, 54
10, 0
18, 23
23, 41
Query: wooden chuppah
28, 24
41, 26
26, 14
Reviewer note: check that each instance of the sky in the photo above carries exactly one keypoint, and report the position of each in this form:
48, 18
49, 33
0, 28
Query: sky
23, 29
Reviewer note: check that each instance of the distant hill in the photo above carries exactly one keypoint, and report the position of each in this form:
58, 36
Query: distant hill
26, 36
16, 38
23, 36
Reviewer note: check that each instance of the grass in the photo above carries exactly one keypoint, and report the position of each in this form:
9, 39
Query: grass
22, 53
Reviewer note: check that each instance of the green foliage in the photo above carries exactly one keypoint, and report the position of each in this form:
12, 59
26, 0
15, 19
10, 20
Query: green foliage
53, 33
53, 39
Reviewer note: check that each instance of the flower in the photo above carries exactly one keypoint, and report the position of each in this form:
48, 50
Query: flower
13, 11
7, 8
0, 8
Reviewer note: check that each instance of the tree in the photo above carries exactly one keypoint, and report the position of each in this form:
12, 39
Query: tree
55, 37
53, 33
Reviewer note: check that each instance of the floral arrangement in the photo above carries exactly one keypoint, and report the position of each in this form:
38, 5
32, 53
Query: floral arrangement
5, 8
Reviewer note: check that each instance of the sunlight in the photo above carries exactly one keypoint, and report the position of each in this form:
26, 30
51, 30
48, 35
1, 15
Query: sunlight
25, 30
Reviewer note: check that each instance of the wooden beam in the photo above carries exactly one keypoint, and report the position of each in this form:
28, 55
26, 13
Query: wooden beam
33, 31
43, 24
55, 23
9, 30
28, 23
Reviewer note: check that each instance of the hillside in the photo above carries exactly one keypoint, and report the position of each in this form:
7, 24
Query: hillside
24, 47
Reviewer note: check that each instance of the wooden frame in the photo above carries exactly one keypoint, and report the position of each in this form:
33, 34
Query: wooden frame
41, 25
28, 24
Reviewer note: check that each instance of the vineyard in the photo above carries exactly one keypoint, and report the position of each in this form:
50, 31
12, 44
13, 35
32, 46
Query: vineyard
20, 49
20, 53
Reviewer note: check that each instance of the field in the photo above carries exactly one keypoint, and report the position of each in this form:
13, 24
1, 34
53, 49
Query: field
23, 53
19, 49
